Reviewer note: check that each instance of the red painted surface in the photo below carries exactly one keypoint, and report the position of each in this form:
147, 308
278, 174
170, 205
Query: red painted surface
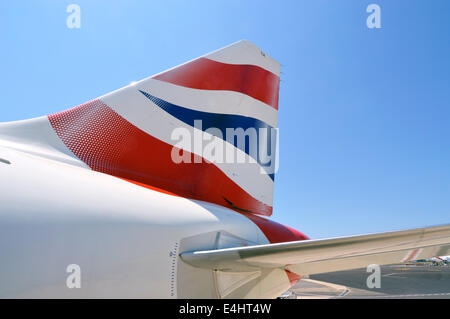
159, 190
206, 74
278, 233
293, 278
108, 143
275, 232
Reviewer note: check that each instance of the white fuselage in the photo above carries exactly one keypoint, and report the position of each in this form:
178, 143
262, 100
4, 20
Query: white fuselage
126, 239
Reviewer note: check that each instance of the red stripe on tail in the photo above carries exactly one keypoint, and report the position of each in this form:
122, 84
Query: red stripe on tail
206, 74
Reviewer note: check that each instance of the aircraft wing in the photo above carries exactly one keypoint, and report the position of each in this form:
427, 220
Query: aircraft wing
331, 254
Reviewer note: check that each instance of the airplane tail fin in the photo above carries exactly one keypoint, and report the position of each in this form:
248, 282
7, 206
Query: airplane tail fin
204, 130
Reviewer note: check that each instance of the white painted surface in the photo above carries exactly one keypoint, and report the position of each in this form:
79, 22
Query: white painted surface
54, 214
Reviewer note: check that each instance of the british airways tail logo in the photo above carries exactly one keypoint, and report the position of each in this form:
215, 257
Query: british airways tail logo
255, 139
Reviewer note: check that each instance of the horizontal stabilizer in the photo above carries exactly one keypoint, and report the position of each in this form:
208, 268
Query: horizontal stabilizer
331, 254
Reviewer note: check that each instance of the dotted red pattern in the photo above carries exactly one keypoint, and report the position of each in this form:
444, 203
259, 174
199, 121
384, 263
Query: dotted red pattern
88, 131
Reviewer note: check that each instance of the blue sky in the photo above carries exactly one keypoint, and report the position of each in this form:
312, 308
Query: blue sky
364, 113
